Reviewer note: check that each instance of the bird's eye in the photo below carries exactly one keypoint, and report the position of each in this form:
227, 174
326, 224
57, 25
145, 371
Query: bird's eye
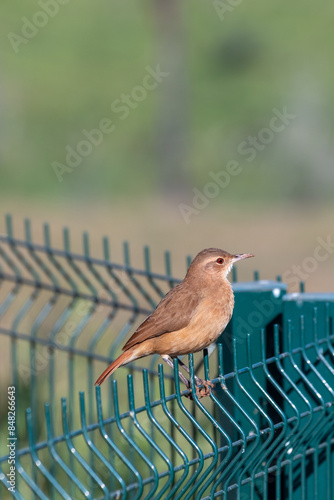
220, 261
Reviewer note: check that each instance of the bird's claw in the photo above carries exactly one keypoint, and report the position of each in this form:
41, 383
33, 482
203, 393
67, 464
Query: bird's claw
203, 389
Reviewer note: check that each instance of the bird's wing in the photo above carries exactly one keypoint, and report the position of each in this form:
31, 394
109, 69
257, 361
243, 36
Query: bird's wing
172, 313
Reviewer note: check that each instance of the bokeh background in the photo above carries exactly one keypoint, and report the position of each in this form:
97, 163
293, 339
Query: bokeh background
228, 65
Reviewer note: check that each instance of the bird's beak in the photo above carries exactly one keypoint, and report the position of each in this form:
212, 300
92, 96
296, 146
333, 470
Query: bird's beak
241, 256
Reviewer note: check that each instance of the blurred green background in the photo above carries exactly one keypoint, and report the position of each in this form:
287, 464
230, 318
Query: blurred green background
67, 65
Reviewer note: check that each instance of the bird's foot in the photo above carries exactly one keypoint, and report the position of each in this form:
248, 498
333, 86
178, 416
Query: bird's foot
203, 388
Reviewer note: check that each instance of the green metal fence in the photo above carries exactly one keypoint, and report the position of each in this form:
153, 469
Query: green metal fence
265, 432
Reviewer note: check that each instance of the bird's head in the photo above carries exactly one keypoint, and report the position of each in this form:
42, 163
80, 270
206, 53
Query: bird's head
215, 262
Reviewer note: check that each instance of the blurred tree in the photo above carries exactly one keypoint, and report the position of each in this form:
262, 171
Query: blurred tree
171, 139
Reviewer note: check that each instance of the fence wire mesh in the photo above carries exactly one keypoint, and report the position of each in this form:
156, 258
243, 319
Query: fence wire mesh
265, 432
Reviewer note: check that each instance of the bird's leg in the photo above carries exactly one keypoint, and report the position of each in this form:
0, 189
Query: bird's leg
203, 387
207, 385
169, 362
198, 381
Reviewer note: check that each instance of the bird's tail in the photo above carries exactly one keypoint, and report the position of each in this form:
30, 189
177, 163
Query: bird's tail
123, 359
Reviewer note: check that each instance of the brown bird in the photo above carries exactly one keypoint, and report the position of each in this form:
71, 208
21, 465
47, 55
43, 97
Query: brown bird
189, 318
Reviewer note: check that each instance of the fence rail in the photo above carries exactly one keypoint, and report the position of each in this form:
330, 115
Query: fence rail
265, 432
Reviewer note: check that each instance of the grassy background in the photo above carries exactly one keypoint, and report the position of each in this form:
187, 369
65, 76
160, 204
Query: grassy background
235, 70
227, 73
